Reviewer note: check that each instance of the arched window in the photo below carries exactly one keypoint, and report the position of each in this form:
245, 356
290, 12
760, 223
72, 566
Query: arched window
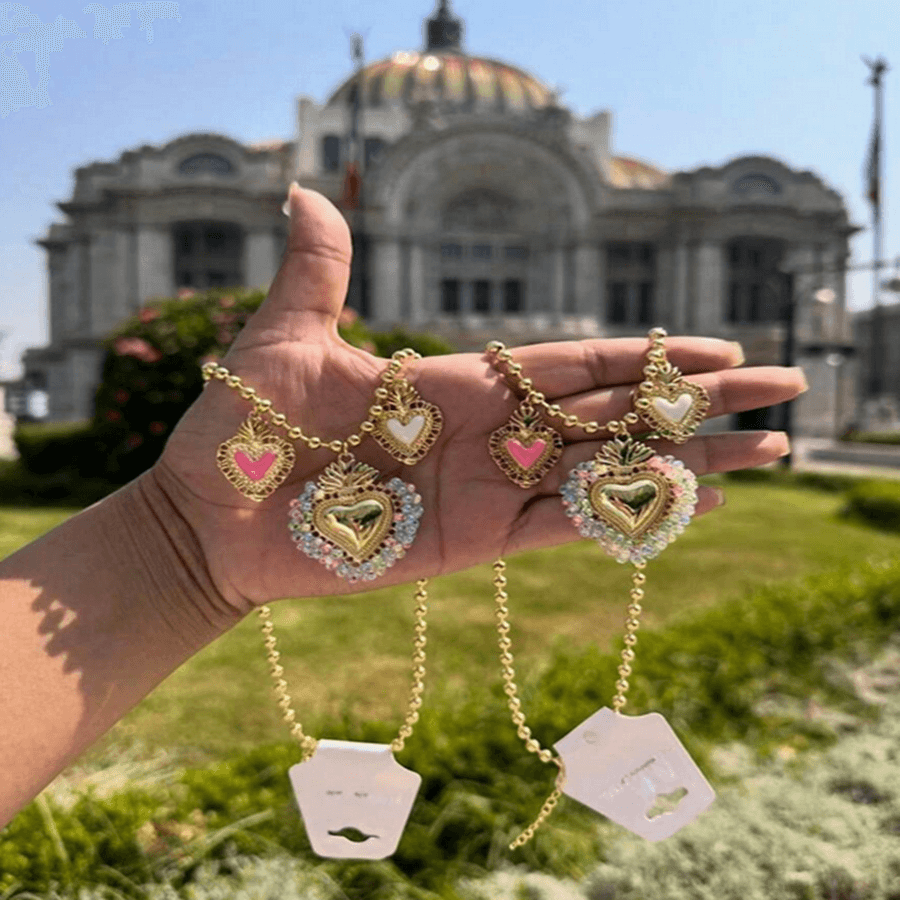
756, 185
208, 254
205, 163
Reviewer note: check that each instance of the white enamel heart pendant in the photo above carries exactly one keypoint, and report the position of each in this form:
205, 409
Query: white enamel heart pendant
406, 432
631, 501
353, 524
407, 426
673, 408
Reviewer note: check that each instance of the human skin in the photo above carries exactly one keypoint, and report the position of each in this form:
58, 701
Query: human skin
101, 609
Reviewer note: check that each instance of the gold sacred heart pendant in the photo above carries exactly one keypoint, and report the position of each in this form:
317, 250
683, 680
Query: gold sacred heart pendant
525, 449
672, 409
359, 527
353, 524
631, 501
255, 460
408, 426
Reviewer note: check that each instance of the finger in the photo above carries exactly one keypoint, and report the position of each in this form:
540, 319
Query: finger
730, 391
308, 292
702, 454
572, 367
545, 524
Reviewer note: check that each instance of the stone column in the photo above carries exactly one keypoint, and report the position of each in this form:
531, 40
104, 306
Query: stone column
557, 283
588, 288
387, 288
710, 296
680, 288
82, 319
259, 251
156, 276
423, 289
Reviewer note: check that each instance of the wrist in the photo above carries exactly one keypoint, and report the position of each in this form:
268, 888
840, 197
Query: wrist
168, 562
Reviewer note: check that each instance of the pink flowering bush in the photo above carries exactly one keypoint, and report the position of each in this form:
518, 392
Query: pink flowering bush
151, 372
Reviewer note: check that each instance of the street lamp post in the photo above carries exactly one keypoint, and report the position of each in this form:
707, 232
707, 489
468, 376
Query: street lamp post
788, 351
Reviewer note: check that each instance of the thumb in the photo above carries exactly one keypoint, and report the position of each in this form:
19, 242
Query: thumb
309, 288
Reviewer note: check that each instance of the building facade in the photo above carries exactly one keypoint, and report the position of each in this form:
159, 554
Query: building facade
483, 208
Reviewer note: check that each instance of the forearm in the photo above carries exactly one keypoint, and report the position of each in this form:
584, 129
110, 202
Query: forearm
92, 617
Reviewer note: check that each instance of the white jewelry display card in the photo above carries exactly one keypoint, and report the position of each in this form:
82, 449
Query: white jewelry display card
355, 799
634, 771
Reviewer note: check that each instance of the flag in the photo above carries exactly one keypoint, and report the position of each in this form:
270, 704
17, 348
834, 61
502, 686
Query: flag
873, 168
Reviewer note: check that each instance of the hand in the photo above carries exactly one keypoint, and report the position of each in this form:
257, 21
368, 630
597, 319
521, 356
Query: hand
290, 352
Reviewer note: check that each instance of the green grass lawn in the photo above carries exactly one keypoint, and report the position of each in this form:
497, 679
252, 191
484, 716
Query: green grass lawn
350, 656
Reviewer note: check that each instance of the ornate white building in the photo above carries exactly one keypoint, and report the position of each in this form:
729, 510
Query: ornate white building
486, 209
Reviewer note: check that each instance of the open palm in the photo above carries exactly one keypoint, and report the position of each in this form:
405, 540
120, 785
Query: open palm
290, 352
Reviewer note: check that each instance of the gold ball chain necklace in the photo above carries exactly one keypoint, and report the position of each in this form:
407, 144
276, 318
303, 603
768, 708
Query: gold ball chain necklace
354, 797
633, 503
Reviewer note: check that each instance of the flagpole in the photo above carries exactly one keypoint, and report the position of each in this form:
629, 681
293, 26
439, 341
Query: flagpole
877, 68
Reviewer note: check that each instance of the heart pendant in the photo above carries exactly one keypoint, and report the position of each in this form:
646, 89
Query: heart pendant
351, 523
255, 460
525, 449
674, 408
408, 426
631, 501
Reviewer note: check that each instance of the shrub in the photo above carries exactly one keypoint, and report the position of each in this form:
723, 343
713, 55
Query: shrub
832, 482
151, 375
46, 447
875, 502
873, 437
65, 487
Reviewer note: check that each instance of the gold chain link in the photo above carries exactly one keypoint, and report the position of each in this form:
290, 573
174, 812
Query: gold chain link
632, 623
554, 410
308, 744
656, 365
263, 406
515, 705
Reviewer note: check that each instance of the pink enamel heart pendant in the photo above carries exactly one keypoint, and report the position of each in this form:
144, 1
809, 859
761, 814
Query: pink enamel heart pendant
255, 470
255, 461
525, 449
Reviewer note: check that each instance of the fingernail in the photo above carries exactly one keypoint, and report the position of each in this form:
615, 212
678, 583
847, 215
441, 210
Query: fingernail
787, 442
286, 206
720, 496
805, 387
742, 357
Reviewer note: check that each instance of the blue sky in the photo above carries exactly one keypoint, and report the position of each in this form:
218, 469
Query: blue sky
689, 82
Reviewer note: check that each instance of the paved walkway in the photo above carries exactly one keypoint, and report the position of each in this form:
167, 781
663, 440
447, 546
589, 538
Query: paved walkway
824, 455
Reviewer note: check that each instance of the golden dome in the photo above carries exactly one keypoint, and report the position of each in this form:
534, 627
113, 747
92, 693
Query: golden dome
453, 80
628, 172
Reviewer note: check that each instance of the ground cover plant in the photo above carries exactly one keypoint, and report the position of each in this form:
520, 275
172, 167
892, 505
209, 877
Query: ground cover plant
349, 658
478, 787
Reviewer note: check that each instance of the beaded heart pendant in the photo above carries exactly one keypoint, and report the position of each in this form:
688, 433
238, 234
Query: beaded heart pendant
525, 449
408, 426
631, 501
256, 461
354, 525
